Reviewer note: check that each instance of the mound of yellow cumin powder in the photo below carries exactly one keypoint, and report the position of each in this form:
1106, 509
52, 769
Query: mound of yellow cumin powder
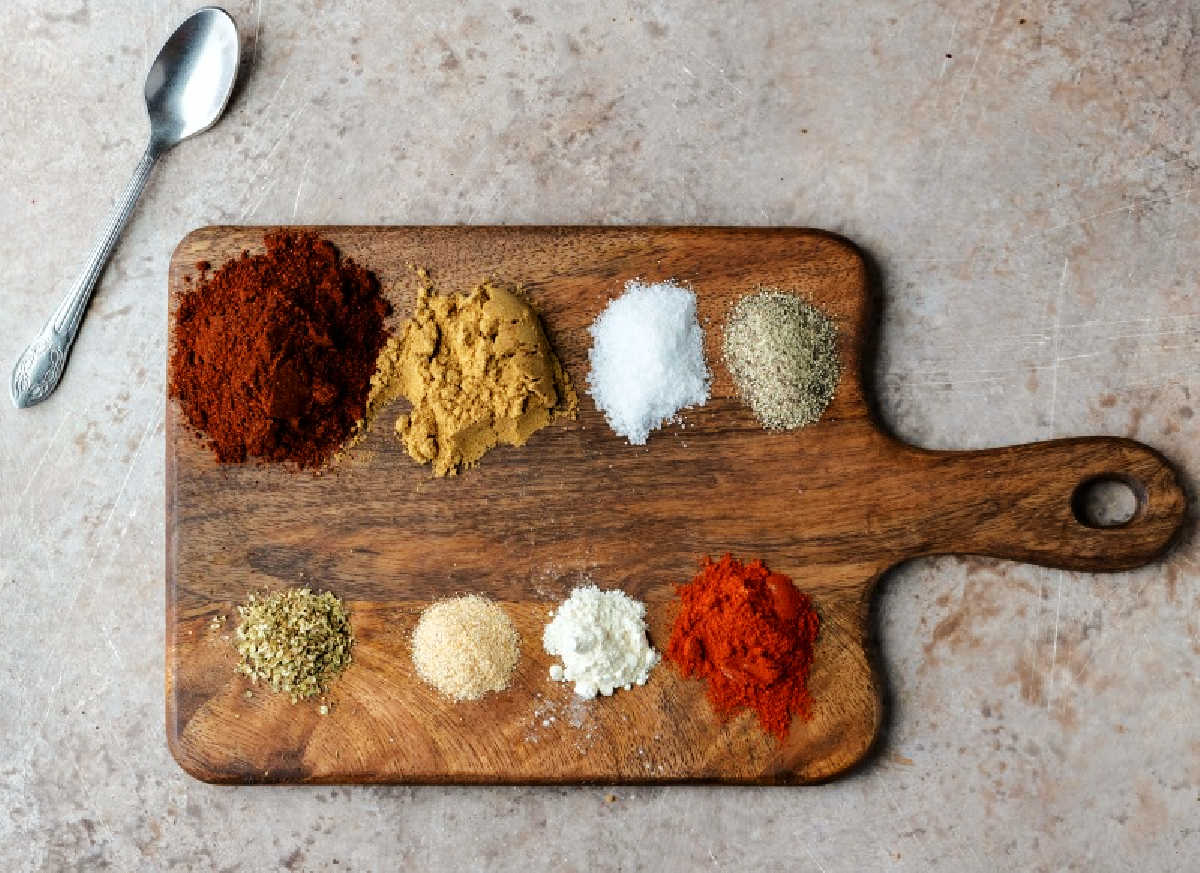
478, 370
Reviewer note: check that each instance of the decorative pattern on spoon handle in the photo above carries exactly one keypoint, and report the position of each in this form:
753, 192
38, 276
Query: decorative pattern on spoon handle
40, 366
38, 369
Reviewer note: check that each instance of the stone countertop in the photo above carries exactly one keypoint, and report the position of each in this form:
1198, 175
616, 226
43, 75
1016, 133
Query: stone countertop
1022, 173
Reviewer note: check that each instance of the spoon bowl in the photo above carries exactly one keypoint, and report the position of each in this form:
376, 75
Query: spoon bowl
191, 79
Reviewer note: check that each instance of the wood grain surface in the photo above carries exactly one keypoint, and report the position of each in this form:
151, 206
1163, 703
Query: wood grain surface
833, 506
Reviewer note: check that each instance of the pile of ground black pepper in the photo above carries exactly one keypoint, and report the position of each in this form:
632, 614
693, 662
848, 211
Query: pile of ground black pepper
274, 352
782, 354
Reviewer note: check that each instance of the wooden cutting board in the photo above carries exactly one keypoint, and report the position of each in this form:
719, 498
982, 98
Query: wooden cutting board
833, 506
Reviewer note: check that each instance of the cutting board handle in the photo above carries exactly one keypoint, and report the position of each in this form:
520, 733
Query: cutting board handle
1025, 503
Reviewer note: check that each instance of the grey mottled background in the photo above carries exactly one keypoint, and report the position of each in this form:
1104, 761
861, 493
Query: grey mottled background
1027, 189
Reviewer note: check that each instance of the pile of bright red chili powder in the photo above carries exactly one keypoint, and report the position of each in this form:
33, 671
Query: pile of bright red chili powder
274, 352
750, 633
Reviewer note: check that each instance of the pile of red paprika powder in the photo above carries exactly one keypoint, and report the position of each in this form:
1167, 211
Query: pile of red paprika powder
274, 352
750, 633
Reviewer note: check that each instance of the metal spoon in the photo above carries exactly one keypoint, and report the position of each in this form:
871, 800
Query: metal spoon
186, 92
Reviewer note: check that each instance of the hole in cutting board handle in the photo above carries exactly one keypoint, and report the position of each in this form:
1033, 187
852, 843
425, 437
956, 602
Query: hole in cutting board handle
1108, 501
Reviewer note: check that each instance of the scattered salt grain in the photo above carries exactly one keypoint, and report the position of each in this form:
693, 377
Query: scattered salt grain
647, 358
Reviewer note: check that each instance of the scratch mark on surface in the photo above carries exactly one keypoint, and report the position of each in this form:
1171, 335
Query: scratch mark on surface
1087, 663
270, 178
812, 857
1057, 342
1113, 321
150, 349
912, 832
1118, 175
1182, 378
271, 102
96, 808
8, 471
69, 609
155, 426
485, 208
150, 425
949, 50
720, 72
37, 468
1128, 207
300, 187
937, 161
996, 244
1054, 645
948, 379
257, 32
970, 849
112, 646
157, 421
1153, 334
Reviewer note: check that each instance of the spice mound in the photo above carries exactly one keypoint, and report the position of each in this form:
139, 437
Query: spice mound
274, 352
750, 633
478, 370
647, 359
601, 638
782, 354
295, 640
465, 647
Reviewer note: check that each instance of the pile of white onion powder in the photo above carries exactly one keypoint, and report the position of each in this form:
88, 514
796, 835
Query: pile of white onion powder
601, 638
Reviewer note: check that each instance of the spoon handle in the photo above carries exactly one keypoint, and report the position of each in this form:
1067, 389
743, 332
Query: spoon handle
40, 366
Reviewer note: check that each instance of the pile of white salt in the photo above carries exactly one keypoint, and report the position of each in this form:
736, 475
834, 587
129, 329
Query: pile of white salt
647, 358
